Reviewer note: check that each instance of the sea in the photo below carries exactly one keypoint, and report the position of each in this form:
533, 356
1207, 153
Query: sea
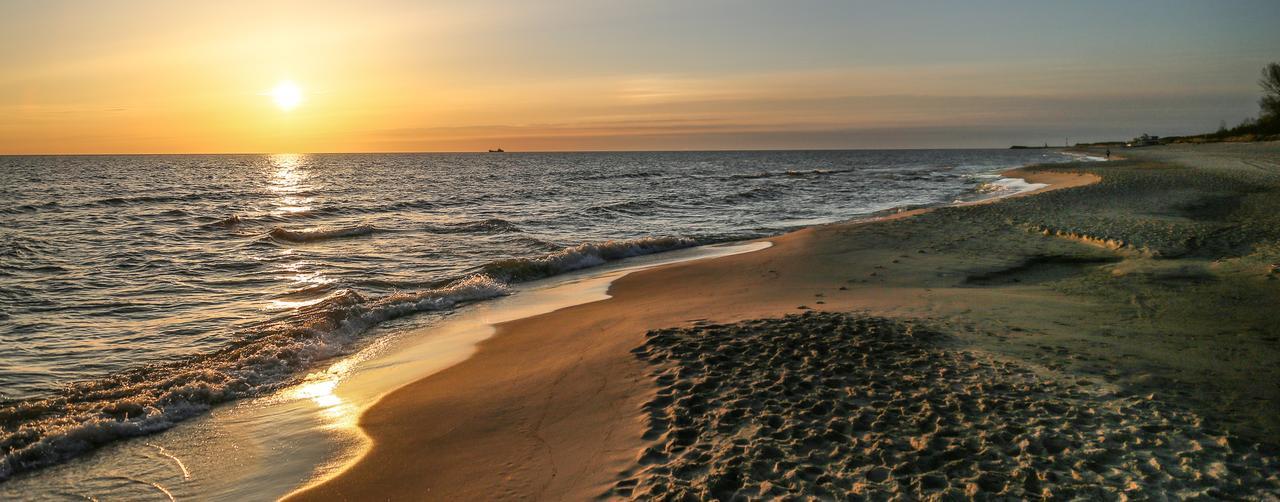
138, 292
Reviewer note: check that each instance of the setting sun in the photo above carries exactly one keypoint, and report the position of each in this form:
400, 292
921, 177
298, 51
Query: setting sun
286, 95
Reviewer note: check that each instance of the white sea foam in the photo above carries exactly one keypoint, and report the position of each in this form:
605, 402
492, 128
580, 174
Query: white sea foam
1085, 157
1009, 186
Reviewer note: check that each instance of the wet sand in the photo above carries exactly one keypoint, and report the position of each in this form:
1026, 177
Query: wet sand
1151, 292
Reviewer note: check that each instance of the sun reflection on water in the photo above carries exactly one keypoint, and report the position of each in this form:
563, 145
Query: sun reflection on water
321, 389
289, 179
287, 160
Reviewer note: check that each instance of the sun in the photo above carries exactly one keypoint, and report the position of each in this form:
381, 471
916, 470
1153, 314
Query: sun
287, 95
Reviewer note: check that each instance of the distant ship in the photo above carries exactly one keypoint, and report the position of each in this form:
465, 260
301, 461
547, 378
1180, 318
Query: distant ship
498, 150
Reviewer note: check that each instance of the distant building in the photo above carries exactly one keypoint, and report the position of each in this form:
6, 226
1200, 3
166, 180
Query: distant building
1144, 140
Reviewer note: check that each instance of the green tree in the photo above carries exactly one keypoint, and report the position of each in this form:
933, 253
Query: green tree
1270, 101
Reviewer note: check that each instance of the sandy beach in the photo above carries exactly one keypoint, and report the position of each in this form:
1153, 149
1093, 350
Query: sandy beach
1113, 334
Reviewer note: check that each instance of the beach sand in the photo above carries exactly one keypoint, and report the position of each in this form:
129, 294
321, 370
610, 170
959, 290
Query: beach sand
831, 405
1120, 335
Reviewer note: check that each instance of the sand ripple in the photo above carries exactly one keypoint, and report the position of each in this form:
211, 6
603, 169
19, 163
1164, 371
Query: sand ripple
830, 406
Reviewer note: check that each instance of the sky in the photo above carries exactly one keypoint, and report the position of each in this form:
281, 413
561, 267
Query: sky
468, 75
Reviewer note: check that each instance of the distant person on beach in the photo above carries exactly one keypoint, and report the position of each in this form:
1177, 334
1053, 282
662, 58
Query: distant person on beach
1108, 154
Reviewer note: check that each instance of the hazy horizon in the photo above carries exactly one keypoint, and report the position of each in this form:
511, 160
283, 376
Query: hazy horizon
393, 76
449, 152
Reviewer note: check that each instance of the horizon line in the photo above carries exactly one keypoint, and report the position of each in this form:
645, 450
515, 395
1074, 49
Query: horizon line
413, 152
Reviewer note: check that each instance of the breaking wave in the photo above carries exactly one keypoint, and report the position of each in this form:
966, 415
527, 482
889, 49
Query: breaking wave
84, 415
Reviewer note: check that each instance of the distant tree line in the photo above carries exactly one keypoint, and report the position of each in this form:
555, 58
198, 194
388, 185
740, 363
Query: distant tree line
1264, 127
1267, 124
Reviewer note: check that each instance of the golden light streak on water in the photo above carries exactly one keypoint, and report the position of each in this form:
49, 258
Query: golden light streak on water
320, 389
289, 178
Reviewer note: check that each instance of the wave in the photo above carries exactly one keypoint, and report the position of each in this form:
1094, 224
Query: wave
790, 173
174, 213
492, 225
759, 192
268, 218
142, 199
109, 201
24, 247
909, 176
410, 204
320, 234
29, 208
580, 257
627, 207
622, 175
39, 432
272, 355
103, 202
489, 226
228, 222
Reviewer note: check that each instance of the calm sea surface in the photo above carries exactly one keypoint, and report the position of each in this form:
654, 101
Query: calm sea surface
137, 291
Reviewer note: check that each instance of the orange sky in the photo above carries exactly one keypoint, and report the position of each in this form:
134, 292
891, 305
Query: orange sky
160, 77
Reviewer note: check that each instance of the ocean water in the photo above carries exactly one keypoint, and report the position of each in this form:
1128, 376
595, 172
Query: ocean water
140, 291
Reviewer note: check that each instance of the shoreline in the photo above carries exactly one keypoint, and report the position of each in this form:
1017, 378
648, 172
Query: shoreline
440, 399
